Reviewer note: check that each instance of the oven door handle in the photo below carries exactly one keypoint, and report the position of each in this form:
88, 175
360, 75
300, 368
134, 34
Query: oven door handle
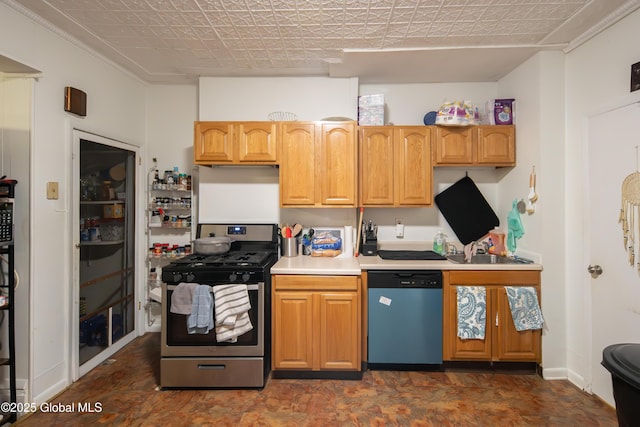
251, 287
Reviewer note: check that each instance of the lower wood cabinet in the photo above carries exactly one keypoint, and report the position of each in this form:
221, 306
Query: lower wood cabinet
502, 341
316, 323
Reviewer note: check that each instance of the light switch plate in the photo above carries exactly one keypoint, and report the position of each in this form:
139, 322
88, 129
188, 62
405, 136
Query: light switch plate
399, 229
52, 190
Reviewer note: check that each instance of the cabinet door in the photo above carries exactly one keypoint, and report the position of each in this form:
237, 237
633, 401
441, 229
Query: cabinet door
512, 345
496, 145
454, 145
376, 166
257, 142
338, 164
455, 348
413, 169
292, 330
213, 142
298, 164
339, 331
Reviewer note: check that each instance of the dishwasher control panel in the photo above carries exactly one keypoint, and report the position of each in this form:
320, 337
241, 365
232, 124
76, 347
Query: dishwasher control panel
404, 279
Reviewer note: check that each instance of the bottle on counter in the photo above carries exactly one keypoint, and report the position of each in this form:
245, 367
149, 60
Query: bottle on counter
440, 243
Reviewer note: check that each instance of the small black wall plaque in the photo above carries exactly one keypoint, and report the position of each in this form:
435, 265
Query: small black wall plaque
635, 76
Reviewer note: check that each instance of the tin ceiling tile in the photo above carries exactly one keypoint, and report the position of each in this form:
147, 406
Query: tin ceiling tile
173, 37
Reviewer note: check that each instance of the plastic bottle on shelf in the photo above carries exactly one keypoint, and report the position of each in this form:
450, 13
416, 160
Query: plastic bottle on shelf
440, 243
176, 175
108, 192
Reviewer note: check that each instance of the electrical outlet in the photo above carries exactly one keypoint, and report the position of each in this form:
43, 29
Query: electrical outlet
399, 228
52, 190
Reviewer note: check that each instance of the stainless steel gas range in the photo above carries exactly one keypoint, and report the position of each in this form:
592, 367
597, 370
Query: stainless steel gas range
197, 359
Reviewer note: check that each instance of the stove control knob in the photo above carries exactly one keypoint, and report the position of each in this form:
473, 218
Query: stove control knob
245, 277
177, 277
191, 277
232, 277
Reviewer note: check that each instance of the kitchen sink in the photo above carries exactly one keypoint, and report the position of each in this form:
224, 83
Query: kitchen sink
486, 259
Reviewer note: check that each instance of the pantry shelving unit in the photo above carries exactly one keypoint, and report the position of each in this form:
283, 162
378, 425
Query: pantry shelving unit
170, 227
7, 302
6, 250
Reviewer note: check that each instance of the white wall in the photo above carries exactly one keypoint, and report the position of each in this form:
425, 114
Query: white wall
254, 192
407, 104
538, 85
249, 98
597, 78
171, 111
15, 127
115, 108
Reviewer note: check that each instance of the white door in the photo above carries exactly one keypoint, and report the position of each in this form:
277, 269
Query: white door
614, 139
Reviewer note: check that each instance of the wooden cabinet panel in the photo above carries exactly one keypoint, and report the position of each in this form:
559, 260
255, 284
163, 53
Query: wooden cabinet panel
235, 143
376, 166
298, 164
511, 344
318, 164
475, 145
396, 167
455, 348
293, 325
414, 172
257, 142
213, 142
502, 342
453, 145
496, 145
339, 330
338, 161
316, 323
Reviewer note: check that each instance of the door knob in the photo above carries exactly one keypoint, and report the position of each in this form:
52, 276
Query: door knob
594, 270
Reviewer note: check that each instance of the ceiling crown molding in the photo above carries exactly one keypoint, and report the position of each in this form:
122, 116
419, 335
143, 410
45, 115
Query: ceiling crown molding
66, 36
624, 10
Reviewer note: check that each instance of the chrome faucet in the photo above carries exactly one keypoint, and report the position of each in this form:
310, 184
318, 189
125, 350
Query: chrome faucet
451, 249
482, 247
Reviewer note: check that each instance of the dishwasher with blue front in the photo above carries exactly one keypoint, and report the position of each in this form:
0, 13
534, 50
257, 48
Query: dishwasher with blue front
404, 319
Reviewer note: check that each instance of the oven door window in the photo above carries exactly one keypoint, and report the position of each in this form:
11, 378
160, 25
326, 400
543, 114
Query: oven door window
177, 335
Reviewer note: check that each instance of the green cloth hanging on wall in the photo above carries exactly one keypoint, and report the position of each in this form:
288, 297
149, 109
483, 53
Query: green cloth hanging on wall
514, 226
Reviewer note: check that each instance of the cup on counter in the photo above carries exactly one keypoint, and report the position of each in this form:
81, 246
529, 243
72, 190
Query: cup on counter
289, 247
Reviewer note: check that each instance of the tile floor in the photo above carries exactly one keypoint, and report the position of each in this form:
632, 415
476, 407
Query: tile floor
127, 391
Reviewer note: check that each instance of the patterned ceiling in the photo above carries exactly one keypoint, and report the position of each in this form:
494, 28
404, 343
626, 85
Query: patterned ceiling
377, 40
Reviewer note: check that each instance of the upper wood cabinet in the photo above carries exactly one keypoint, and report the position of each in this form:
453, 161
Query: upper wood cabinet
318, 164
475, 145
395, 166
229, 143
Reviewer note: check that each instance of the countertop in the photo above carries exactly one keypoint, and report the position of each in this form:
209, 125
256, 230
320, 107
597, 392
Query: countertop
353, 266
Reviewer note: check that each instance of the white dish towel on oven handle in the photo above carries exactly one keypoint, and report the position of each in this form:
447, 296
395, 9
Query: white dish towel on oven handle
232, 307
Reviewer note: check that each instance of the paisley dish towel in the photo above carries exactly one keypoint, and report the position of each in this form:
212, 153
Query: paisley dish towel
525, 310
472, 312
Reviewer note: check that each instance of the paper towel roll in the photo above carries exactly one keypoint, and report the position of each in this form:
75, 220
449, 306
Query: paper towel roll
347, 244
